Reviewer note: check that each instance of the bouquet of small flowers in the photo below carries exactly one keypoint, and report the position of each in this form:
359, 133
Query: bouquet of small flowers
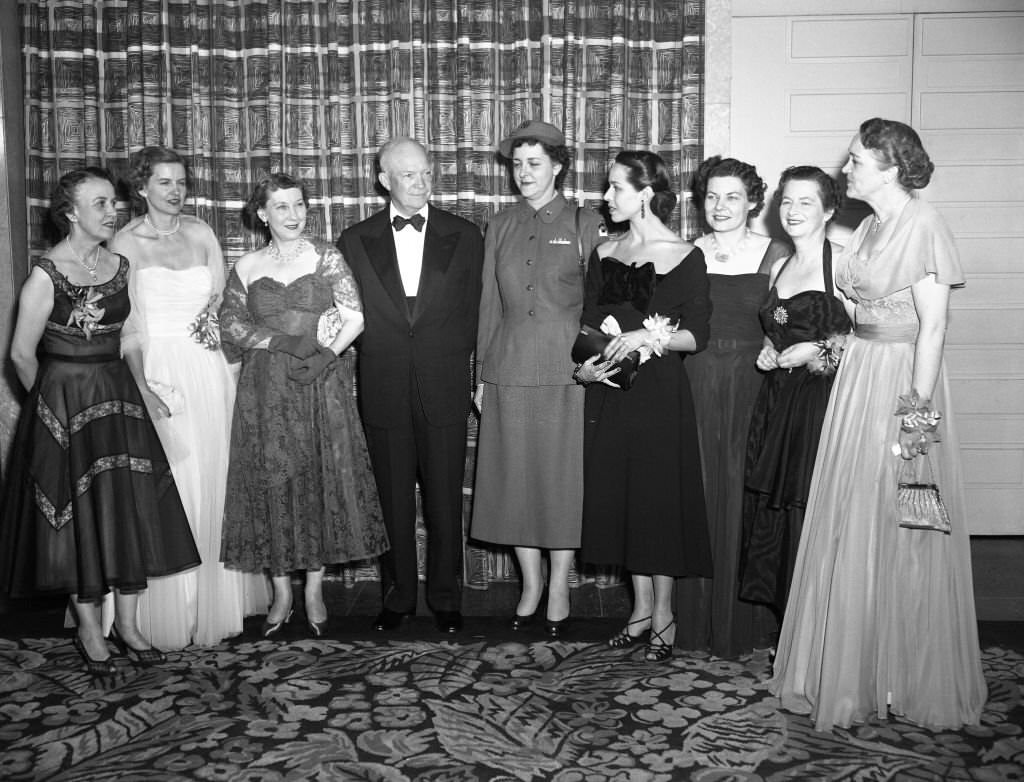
205, 329
85, 314
830, 353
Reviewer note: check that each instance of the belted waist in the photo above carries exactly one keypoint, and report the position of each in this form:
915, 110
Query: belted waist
887, 332
724, 343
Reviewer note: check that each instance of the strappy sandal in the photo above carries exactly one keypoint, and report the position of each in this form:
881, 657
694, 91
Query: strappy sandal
657, 650
624, 638
93, 666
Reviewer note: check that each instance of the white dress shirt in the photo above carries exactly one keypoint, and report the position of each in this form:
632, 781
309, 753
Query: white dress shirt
409, 251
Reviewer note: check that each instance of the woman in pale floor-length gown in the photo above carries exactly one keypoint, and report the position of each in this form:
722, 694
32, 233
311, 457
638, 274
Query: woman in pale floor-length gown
880, 618
178, 273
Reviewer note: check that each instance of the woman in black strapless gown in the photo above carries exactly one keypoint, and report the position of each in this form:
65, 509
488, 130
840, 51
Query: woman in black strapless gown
801, 313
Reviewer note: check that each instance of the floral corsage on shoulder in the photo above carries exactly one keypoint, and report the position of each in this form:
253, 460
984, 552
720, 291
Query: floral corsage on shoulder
205, 329
85, 312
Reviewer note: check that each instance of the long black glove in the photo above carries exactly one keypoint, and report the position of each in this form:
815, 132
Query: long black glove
299, 345
307, 370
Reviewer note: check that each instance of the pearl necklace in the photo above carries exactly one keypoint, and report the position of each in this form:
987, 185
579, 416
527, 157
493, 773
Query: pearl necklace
160, 231
81, 260
285, 258
724, 256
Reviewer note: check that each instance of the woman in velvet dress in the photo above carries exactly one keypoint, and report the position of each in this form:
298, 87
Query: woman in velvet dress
643, 502
90, 504
881, 618
805, 324
725, 383
300, 493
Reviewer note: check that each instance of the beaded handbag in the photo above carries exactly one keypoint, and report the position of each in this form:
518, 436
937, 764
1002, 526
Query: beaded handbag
919, 505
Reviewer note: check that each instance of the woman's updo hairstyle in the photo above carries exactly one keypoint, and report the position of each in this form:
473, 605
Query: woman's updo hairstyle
62, 200
896, 144
828, 189
140, 169
717, 166
647, 169
261, 194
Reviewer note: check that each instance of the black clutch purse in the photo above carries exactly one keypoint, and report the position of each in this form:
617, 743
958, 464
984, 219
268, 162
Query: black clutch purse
591, 342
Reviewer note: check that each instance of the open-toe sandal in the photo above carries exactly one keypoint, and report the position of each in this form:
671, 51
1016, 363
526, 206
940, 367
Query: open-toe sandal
657, 650
144, 657
624, 638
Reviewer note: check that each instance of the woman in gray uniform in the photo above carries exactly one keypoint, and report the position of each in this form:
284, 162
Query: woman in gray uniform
529, 483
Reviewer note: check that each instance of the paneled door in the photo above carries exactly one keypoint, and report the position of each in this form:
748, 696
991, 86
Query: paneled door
802, 85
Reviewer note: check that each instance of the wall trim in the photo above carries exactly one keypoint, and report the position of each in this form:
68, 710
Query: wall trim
869, 7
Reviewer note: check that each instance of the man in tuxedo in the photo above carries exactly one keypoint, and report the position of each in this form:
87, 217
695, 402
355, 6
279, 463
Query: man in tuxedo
419, 273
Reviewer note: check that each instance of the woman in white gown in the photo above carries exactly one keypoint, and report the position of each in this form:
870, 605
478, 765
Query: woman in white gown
171, 343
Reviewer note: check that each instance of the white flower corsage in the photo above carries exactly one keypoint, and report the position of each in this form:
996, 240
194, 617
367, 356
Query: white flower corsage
328, 326
205, 329
661, 330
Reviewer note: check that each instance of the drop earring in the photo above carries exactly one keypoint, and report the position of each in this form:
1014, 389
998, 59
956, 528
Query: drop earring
643, 210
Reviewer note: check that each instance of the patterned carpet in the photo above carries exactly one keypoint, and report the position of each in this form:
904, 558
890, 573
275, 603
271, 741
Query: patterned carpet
473, 709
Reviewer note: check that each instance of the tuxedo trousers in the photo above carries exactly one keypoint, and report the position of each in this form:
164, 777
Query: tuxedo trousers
410, 451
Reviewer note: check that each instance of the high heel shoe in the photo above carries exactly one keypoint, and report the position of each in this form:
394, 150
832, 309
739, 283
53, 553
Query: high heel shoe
553, 628
93, 666
624, 638
144, 657
272, 628
519, 622
657, 650
315, 627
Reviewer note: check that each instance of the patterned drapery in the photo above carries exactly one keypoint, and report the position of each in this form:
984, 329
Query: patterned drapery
314, 87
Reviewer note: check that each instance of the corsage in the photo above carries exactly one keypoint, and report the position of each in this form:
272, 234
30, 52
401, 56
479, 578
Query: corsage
830, 353
328, 326
85, 314
917, 417
661, 330
205, 329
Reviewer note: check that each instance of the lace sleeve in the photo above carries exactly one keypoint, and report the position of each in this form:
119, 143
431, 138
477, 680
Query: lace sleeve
237, 326
338, 274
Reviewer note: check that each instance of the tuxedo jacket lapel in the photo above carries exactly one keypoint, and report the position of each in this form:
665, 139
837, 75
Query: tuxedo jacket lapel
380, 249
438, 249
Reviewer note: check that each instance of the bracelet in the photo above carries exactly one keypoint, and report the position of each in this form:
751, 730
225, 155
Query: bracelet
576, 374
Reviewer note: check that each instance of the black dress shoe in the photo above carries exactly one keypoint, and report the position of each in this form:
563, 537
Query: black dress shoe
390, 620
519, 621
555, 629
448, 621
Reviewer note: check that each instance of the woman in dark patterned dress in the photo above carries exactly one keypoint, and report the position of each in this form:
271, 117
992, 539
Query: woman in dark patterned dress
643, 500
91, 504
300, 492
805, 324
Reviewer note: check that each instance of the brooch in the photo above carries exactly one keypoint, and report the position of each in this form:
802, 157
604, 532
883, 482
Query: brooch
780, 315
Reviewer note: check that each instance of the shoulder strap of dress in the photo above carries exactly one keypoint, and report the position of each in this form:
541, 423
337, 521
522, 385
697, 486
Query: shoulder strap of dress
826, 267
772, 253
55, 275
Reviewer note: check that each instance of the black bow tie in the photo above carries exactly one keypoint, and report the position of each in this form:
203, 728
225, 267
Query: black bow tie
416, 221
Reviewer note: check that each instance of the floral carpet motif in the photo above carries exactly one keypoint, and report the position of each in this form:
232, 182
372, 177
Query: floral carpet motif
477, 710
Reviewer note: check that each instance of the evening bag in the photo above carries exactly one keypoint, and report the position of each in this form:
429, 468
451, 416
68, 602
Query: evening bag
919, 505
591, 342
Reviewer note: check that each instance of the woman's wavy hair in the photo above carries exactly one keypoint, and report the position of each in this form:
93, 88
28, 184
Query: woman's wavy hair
647, 169
558, 153
828, 189
897, 144
140, 169
261, 194
717, 166
62, 200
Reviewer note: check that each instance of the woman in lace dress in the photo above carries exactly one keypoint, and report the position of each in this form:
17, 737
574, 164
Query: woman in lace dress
176, 284
90, 503
300, 492
881, 618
